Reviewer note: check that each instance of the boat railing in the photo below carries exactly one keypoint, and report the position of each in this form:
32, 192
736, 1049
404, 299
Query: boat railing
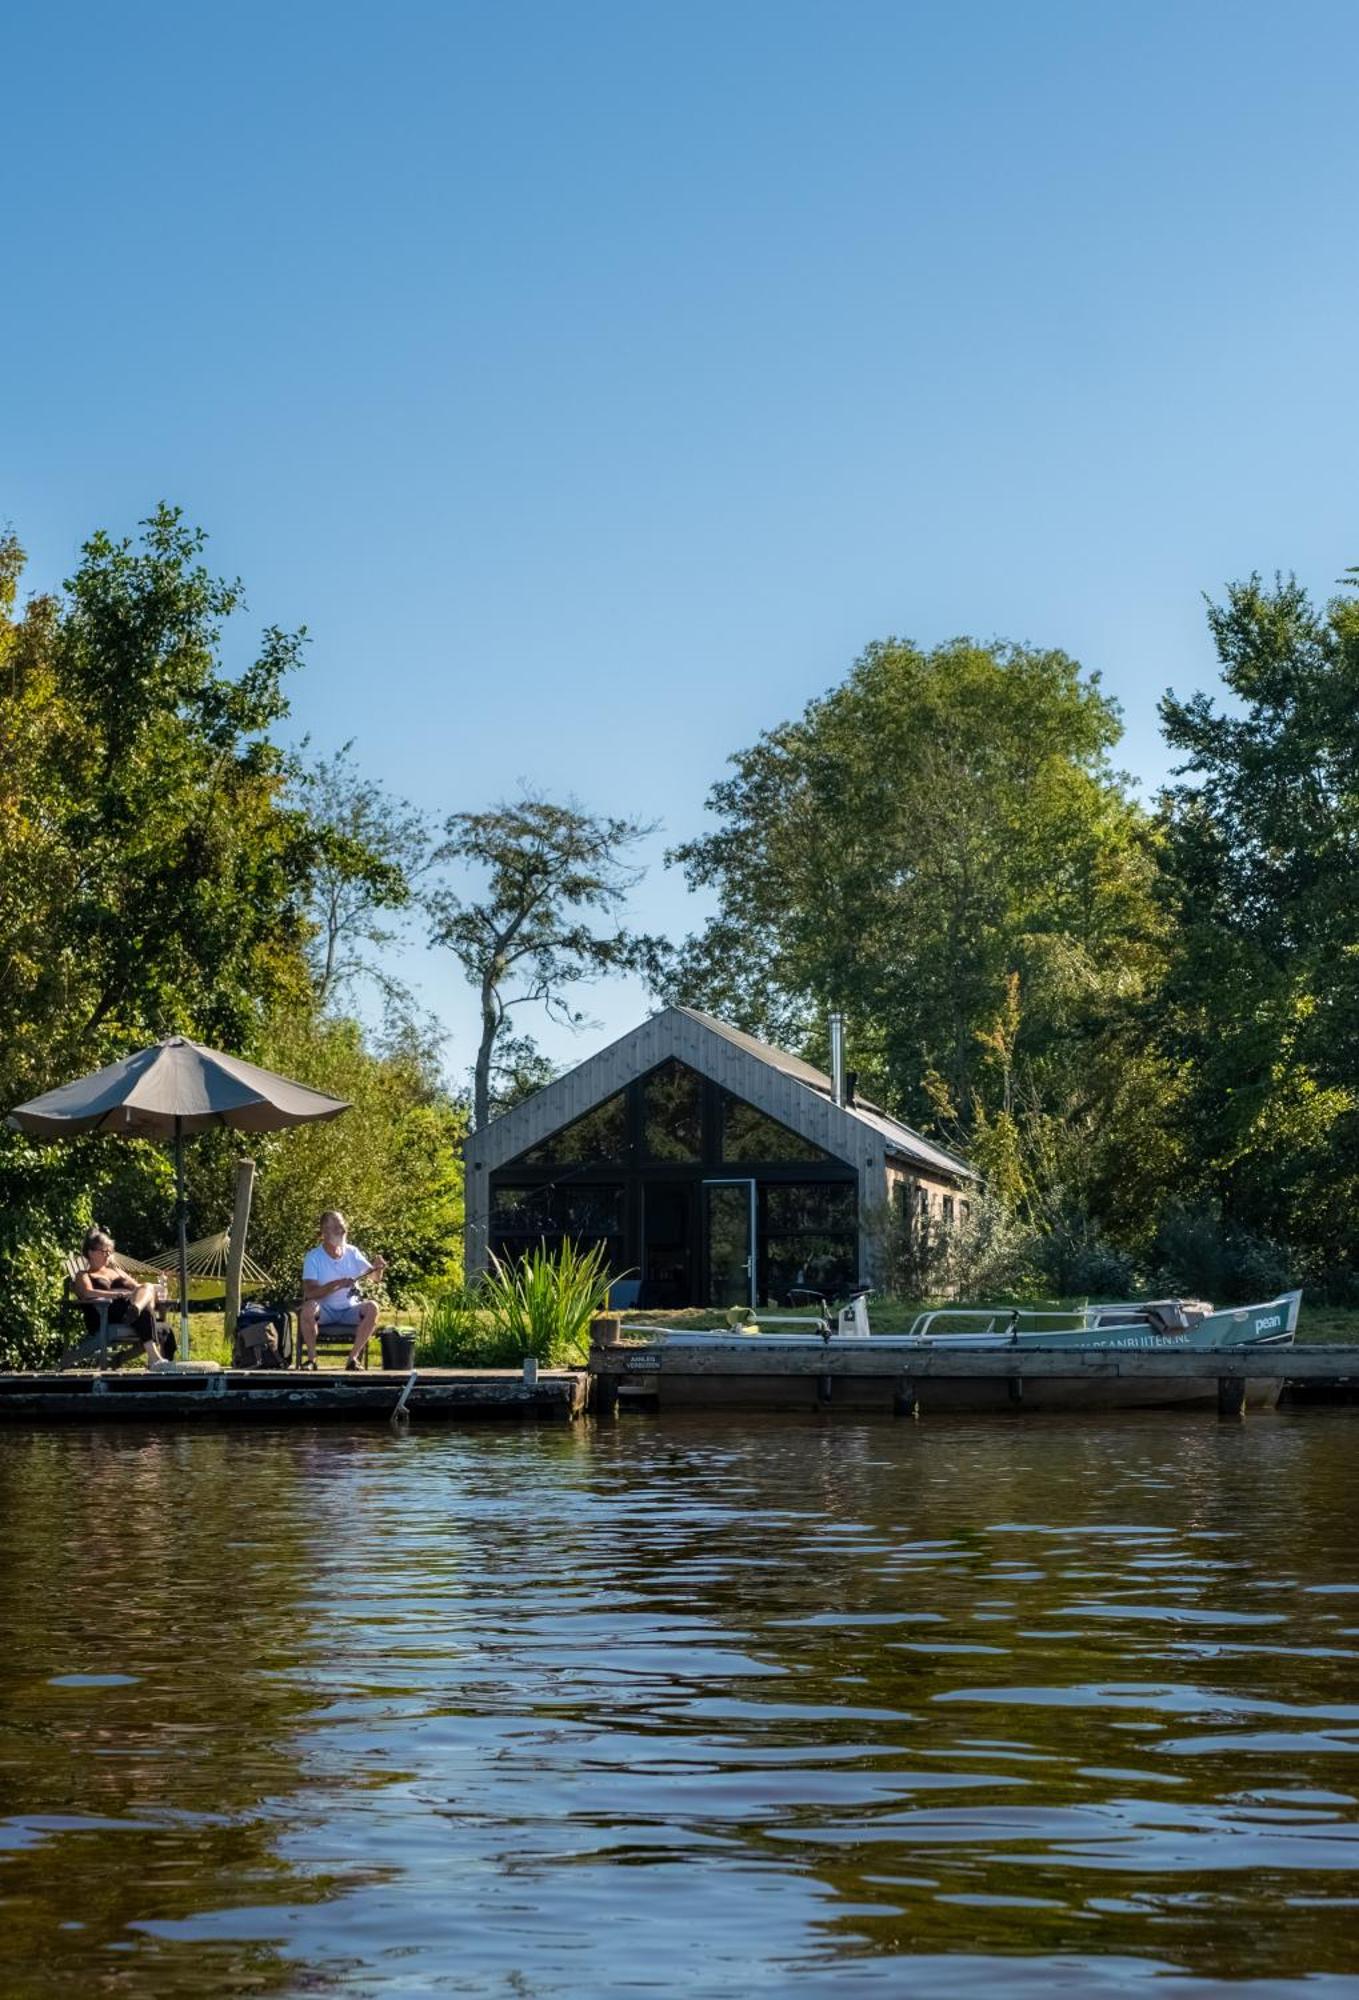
1002, 1320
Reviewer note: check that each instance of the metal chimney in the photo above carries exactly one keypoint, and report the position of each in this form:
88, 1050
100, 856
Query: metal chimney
837, 1042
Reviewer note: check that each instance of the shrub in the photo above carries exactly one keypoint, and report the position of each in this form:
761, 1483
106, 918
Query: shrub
1076, 1260
988, 1254
44, 1211
542, 1304
1196, 1251
456, 1333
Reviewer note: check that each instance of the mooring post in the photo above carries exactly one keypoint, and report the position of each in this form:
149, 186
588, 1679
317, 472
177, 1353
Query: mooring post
905, 1402
240, 1223
1231, 1395
606, 1331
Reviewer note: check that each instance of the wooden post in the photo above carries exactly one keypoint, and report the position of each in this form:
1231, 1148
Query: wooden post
606, 1330
240, 1224
1231, 1396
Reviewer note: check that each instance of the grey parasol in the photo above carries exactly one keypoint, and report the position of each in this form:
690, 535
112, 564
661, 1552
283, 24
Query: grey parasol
164, 1092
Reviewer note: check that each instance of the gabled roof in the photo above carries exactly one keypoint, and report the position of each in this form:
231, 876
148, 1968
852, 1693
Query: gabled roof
901, 1139
783, 1086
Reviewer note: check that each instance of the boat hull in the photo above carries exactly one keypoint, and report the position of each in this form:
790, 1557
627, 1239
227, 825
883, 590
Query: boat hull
879, 1395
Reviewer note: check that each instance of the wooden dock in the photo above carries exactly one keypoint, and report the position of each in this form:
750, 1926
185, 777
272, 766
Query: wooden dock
265, 1396
766, 1372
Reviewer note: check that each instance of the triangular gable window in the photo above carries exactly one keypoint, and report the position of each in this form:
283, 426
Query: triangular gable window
749, 1137
599, 1138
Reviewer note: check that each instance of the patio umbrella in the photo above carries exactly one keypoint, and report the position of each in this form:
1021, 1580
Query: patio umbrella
166, 1092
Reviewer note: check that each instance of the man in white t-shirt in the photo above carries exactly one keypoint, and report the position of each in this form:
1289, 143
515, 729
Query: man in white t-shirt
330, 1277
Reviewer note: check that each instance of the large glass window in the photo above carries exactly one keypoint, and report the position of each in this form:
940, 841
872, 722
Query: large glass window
599, 1138
748, 1136
672, 1113
809, 1237
524, 1217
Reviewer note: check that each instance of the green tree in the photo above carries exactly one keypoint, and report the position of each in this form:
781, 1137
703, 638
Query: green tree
159, 864
940, 848
1261, 881
371, 850
529, 940
392, 1163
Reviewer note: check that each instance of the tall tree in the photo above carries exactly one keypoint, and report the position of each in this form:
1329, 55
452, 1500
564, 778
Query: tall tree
371, 850
1262, 883
156, 868
939, 848
529, 939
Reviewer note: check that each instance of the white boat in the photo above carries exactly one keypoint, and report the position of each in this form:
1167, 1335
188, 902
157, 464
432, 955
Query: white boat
1156, 1325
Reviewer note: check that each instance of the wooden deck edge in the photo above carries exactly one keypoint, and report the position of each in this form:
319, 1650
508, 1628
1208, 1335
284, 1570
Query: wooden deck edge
251, 1397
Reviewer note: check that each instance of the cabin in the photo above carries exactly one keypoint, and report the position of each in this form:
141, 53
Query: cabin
717, 1170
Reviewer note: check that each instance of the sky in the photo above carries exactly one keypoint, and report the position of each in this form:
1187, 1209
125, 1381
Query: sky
595, 381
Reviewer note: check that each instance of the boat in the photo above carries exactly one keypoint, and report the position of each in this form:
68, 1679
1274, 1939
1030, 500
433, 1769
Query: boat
686, 1365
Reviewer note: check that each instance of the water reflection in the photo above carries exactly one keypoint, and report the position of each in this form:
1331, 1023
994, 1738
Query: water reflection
683, 1707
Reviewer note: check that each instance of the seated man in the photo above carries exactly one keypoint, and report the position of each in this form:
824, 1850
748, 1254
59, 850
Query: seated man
133, 1305
330, 1277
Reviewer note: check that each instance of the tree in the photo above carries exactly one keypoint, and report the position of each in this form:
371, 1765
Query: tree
528, 939
162, 869
371, 850
1261, 882
518, 1069
392, 1164
939, 848
157, 869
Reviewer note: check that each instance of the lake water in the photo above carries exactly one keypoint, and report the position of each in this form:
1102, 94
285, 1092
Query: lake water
983, 1707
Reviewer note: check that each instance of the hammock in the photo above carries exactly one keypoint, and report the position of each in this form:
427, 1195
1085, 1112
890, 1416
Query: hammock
208, 1259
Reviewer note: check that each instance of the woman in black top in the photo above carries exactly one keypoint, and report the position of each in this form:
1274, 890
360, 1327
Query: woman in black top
133, 1305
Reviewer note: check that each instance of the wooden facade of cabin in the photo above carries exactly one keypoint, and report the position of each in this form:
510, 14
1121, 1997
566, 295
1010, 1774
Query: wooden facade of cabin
717, 1171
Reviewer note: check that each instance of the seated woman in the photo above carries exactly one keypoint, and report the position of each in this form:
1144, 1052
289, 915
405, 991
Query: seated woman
133, 1305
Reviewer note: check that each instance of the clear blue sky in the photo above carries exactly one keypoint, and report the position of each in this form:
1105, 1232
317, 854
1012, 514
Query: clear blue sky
595, 380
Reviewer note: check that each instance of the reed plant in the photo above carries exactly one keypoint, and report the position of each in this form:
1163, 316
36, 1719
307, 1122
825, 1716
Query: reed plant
454, 1330
542, 1304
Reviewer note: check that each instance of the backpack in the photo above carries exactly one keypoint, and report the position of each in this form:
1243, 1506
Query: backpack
264, 1337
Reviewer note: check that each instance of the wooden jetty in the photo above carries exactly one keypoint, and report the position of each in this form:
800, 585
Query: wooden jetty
763, 1372
266, 1396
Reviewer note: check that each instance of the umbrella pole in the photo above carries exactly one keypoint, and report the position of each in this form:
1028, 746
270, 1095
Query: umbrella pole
182, 1213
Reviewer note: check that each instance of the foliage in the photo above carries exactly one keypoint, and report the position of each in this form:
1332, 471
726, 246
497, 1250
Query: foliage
1261, 884
456, 1333
989, 1253
543, 1303
939, 848
44, 1211
518, 1069
1197, 1253
371, 849
391, 1164
162, 854
1075, 1259
156, 870
528, 940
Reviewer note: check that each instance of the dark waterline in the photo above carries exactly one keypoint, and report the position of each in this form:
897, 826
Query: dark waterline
691, 1708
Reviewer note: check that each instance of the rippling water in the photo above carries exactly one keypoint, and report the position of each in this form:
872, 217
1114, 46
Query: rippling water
693, 1708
